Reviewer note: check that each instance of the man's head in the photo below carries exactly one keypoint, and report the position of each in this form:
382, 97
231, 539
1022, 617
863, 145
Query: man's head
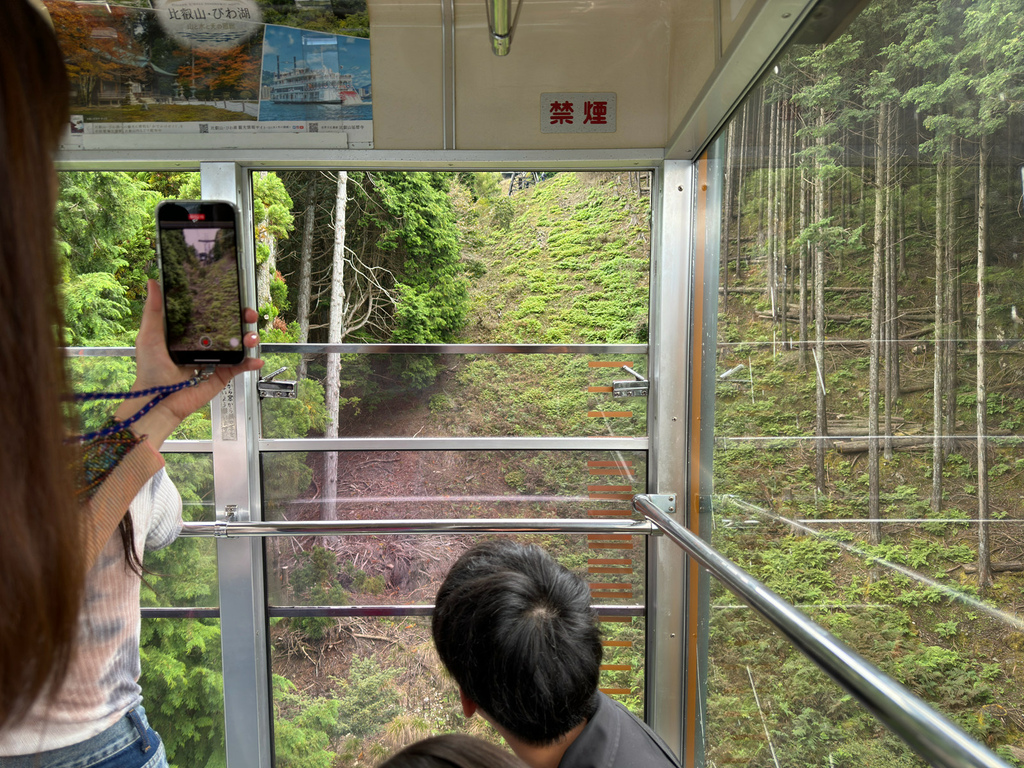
517, 632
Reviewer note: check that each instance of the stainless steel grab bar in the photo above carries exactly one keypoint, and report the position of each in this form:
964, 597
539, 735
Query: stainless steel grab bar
376, 527
403, 349
933, 736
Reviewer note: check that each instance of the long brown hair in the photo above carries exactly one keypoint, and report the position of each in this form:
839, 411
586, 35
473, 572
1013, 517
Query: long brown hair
453, 750
41, 568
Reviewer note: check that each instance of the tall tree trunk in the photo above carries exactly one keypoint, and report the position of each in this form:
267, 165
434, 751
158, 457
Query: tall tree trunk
739, 193
891, 299
895, 253
821, 421
984, 560
902, 233
762, 180
771, 249
335, 333
804, 259
938, 444
730, 154
877, 301
951, 285
844, 182
783, 241
305, 288
863, 185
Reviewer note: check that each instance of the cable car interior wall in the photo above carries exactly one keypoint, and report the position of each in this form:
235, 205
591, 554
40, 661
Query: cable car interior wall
665, 75
517, 86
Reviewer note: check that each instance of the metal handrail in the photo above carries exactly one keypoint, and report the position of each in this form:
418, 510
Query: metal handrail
350, 611
934, 737
403, 349
227, 529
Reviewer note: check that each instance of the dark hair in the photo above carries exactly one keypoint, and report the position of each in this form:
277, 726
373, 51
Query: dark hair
517, 632
41, 562
453, 750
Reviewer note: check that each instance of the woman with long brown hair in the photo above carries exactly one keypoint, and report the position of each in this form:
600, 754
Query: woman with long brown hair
42, 564
59, 506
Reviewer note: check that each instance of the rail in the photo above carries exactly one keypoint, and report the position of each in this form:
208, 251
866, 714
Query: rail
230, 529
403, 349
933, 736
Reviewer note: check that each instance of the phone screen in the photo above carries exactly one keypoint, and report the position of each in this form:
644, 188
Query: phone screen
199, 273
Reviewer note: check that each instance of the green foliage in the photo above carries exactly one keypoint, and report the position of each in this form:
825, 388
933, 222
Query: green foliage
412, 218
304, 727
568, 262
795, 569
104, 230
362, 582
314, 581
184, 689
502, 214
273, 207
368, 700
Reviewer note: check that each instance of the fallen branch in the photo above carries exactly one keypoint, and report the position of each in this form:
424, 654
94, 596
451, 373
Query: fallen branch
997, 567
900, 443
833, 318
828, 289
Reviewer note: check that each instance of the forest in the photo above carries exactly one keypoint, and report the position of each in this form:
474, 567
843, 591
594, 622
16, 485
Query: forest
868, 402
868, 460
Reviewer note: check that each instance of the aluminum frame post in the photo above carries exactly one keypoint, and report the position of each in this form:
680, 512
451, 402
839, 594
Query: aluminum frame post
708, 180
240, 562
668, 413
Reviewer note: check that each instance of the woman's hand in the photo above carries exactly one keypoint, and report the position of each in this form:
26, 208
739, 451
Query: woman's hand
154, 368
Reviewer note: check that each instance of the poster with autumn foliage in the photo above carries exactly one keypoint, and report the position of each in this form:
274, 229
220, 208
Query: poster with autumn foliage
169, 68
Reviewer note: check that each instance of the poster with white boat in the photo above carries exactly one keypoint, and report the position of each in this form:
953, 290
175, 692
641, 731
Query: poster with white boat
319, 79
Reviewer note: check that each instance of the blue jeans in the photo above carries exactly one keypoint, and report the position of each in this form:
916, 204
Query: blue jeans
128, 743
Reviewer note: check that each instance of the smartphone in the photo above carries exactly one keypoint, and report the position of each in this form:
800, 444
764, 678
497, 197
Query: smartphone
197, 249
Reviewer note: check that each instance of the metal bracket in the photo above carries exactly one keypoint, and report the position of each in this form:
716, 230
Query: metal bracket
220, 526
267, 387
666, 502
639, 387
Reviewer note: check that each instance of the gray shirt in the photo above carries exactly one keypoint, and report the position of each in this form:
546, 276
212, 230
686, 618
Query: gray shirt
615, 738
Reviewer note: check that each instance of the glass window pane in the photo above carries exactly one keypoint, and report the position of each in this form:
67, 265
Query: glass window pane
407, 569
104, 231
770, 705
330, 669
507, 259
501, 395
860, 335
451, 484
183, 688
116, 374
184, 574
431, 257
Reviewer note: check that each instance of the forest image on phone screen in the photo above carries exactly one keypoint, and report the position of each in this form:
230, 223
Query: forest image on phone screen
200, 273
